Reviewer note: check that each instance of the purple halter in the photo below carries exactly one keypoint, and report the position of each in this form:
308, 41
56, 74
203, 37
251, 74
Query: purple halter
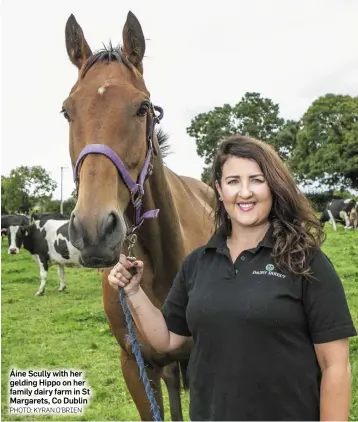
135, 188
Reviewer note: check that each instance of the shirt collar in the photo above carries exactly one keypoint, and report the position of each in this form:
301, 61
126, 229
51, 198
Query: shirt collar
218, 240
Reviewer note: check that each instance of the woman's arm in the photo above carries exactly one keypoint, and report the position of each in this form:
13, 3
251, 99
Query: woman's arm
148, 318
333, 358
151, 323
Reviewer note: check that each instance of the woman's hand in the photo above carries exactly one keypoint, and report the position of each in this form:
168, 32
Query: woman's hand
120, 275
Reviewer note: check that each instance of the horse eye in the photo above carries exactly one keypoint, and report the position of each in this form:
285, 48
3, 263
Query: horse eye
64, 112
143, 109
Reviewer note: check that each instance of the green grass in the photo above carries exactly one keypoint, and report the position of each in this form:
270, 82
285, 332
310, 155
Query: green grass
342, 249
70, 330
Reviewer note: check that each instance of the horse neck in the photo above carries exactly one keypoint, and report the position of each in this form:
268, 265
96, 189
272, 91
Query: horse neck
161, 237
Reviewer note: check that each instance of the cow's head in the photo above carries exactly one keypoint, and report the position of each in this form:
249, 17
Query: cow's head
16, 236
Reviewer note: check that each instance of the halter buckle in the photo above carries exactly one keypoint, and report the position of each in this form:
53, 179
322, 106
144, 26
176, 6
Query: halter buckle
137, 195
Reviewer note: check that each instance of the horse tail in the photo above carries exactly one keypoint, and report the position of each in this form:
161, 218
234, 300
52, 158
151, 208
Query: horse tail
183, 365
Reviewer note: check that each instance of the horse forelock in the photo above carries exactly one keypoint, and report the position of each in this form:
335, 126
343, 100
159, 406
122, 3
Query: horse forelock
108, 54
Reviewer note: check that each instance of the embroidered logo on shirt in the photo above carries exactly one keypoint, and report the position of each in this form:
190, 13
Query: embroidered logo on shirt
269, 271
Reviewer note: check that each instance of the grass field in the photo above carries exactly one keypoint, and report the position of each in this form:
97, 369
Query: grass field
70, 330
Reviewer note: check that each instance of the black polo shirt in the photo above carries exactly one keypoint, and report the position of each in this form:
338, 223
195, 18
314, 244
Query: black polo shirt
253, 329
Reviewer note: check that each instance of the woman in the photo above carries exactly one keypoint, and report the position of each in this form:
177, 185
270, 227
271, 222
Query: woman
266, 309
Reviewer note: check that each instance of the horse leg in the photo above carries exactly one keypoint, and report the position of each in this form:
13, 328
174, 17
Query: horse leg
136, 388
171, 377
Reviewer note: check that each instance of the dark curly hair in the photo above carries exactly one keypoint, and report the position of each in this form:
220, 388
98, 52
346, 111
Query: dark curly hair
297, 231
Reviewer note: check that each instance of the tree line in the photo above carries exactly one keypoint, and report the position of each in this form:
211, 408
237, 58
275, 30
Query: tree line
320, 148
31, 188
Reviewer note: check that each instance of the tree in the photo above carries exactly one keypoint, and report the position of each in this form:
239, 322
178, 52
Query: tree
285, 139
69, 205
252, 116
52, 205
326, 147
47, 204
3, 208
24, 187
13, 197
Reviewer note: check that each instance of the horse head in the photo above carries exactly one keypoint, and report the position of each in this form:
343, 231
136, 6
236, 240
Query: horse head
111, 141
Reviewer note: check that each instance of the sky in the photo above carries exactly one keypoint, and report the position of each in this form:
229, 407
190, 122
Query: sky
199, 55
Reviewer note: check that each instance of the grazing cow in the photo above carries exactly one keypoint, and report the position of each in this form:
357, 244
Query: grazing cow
49, 244
341, 210
8, 220
44, 216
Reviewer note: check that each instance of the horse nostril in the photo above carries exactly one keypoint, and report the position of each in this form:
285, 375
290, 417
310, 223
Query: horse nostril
75, 231
110, 225
112, 222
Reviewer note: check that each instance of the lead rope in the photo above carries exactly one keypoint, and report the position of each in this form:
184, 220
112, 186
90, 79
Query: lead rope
134, 342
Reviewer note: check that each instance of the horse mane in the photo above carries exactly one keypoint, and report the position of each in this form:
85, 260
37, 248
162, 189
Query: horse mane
163, 140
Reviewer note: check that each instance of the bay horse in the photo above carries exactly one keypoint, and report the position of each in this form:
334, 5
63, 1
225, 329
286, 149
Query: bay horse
119, 171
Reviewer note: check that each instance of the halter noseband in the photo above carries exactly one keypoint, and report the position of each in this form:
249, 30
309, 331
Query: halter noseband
136, 189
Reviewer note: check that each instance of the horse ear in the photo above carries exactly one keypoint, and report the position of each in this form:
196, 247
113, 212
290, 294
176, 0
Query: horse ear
77, 47
133, 40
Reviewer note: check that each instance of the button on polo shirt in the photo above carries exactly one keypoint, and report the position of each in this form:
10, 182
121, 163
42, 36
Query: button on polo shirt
253, 328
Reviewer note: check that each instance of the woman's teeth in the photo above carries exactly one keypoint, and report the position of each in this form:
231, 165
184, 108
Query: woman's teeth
247, 207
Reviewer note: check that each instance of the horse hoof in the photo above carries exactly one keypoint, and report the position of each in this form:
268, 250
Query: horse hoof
39, 293
63, 289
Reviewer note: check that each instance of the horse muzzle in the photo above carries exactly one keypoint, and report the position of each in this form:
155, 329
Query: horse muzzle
99, 239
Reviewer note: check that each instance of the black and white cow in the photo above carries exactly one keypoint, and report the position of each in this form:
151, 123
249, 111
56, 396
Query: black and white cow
48, 242
8, 220
343, 211
43, 216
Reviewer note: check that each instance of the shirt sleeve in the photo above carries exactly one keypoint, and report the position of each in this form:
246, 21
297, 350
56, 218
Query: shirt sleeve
175, 304
325, 303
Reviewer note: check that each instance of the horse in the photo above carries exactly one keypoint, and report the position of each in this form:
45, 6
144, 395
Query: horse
119, 171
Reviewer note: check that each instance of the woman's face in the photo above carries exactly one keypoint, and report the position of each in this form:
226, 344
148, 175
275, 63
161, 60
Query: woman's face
245, 193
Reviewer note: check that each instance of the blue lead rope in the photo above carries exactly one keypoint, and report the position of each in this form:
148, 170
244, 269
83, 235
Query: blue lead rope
138, 356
